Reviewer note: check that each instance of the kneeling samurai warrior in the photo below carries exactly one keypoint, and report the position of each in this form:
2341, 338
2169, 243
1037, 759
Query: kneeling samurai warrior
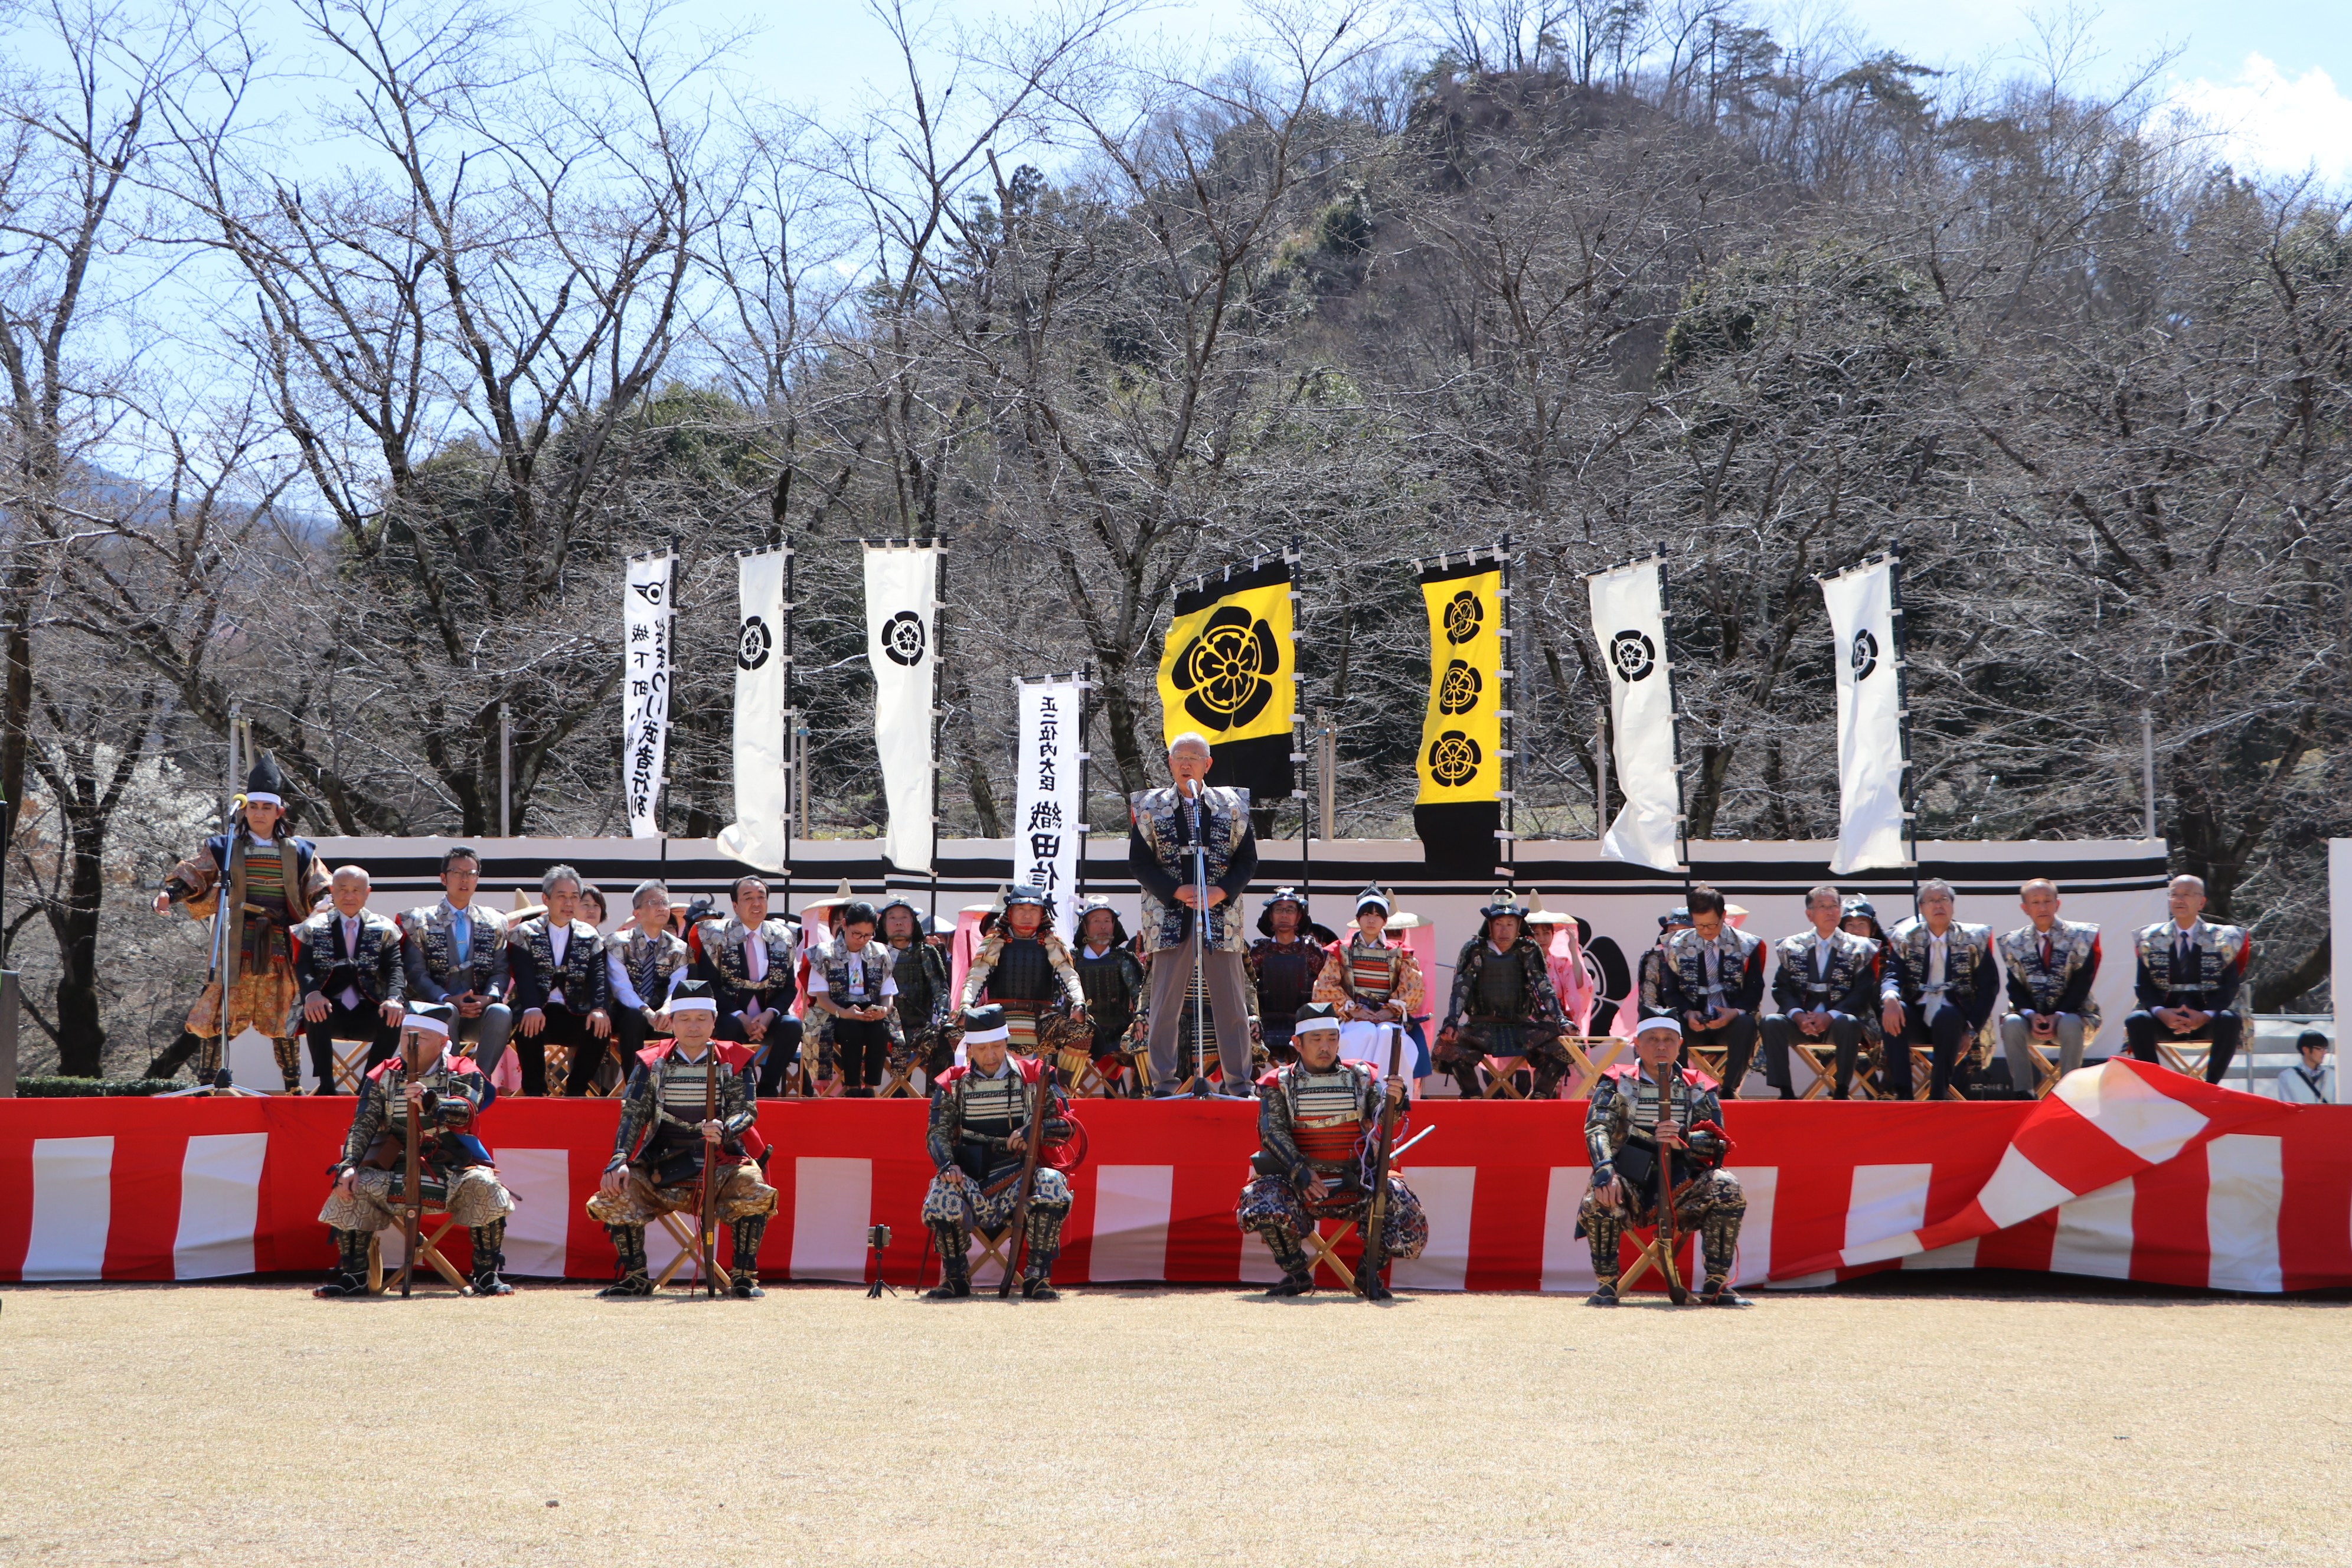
1315, 1118
1626, 1126
431, 1090
666, 1144
977, 1141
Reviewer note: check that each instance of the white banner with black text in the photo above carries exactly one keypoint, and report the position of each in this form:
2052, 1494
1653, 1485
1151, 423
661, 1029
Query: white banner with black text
644, 689
761, 834
901, 623
1629, 620
1871, 826
1048, 811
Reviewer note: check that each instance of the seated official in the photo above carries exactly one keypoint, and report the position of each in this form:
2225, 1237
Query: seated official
427, 1091
1826, 983
352, 985
854, 984
1711, 980
1938, 989
561, 986
1317, 1117
456, 952
1283, 966
2190, 973
687, 1109
644, 961
751, 964
2051, 965
1631, 1123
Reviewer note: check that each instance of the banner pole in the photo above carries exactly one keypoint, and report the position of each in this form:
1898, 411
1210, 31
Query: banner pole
1509, 868
1298, 735
1086, 755
1682, 800
938, 652
1600, 778
792, 727
2147, 778
506, 770
1902, 711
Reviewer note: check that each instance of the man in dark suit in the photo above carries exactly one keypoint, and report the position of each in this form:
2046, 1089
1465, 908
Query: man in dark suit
1826, 984
1937, 988
561, 986
353, 987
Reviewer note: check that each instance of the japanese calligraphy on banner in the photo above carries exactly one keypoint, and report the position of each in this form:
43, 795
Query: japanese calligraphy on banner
644, 687
1048, 806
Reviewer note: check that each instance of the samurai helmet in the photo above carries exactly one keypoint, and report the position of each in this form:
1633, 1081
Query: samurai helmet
1034, 895
1677, 916
1118, 926
1372, 898
264, 785
1506, 902
1291, 896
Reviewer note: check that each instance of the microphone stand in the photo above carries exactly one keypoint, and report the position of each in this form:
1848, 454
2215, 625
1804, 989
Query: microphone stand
1200, 946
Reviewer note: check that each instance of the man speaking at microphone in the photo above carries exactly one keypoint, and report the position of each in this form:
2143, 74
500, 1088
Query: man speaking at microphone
1168, 824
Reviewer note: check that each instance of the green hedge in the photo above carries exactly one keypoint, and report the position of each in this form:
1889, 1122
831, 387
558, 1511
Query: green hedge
51, 1086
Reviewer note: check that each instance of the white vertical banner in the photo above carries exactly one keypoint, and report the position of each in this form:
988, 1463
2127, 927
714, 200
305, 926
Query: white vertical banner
1049, 817
1629, 620
1869, 718
761, 834
644, 687
901, 622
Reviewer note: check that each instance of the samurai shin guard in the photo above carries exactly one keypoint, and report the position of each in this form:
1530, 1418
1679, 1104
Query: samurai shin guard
289, 1053
1297, 1267
490, 1257
1044, 1243
1604, 1228
633, 1279
955, 1264
350, 1277
744, 1269
1719, 1235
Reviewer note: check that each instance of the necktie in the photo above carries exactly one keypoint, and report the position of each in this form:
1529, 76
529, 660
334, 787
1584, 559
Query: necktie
461, 935
647, 973
2182, 958
755, 957
352, 951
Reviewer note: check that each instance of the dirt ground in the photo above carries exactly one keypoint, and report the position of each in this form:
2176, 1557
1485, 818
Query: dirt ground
250, 1424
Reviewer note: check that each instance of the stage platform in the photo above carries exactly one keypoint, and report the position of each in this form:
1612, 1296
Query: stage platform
2126, 1172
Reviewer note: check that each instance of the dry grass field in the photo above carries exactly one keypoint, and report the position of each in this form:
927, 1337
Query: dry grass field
249, 1424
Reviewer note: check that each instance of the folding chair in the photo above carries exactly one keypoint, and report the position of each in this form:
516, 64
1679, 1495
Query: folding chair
1822, 1057
559, 1067
689, 1251
1653, 1256
2045, 1070
1506, 1083
2188, 1058
350, 1066
429, 1245
1580, 1051
1324, 1250
899, 1080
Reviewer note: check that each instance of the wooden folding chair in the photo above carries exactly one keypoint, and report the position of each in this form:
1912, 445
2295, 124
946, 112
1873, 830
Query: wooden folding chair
1652, 1257
350, 1066
559, 1067
997, 1247
689, 1251
899, 1080
1506, 1083
1710, 1061
1324, 1250
429, 1245
1581, 1048
2188, 1058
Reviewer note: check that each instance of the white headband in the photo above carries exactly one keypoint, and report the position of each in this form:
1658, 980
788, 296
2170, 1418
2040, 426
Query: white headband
693, 1005
424, 1023
263, 797
987, 1036
1306, 1025
1646, 1024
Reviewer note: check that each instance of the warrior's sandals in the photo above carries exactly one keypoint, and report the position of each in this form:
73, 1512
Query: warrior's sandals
629, 1285
950, 1290
1605, 1296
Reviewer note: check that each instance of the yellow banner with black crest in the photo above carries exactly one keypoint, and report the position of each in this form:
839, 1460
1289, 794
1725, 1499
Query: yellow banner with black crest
1461, 728
1229, 672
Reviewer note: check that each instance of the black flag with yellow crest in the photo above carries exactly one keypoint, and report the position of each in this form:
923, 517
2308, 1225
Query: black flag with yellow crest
1229, 672
1459, 808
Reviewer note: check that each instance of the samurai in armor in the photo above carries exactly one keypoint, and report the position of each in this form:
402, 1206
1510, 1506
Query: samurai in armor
429, 1087
853, 984
347, 961
1712, 982
1648, 1000
1026, 969
2189, 980
1316, 1119
1939, 988
1628, 1128
2051, 964
666, 1145
752, 965
1283, 966
1369, 981
456, 952
274, 882
977, 1140
644, 961
1112, 978
925, 991
1826, 984
1503, 1009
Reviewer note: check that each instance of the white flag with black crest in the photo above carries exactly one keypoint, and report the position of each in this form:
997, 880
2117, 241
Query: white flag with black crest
1871, 823
1049, 812
1629, 619
644, 689
901, 623
761, 834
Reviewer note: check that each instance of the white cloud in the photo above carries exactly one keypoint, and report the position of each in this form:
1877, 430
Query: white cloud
2269, 124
